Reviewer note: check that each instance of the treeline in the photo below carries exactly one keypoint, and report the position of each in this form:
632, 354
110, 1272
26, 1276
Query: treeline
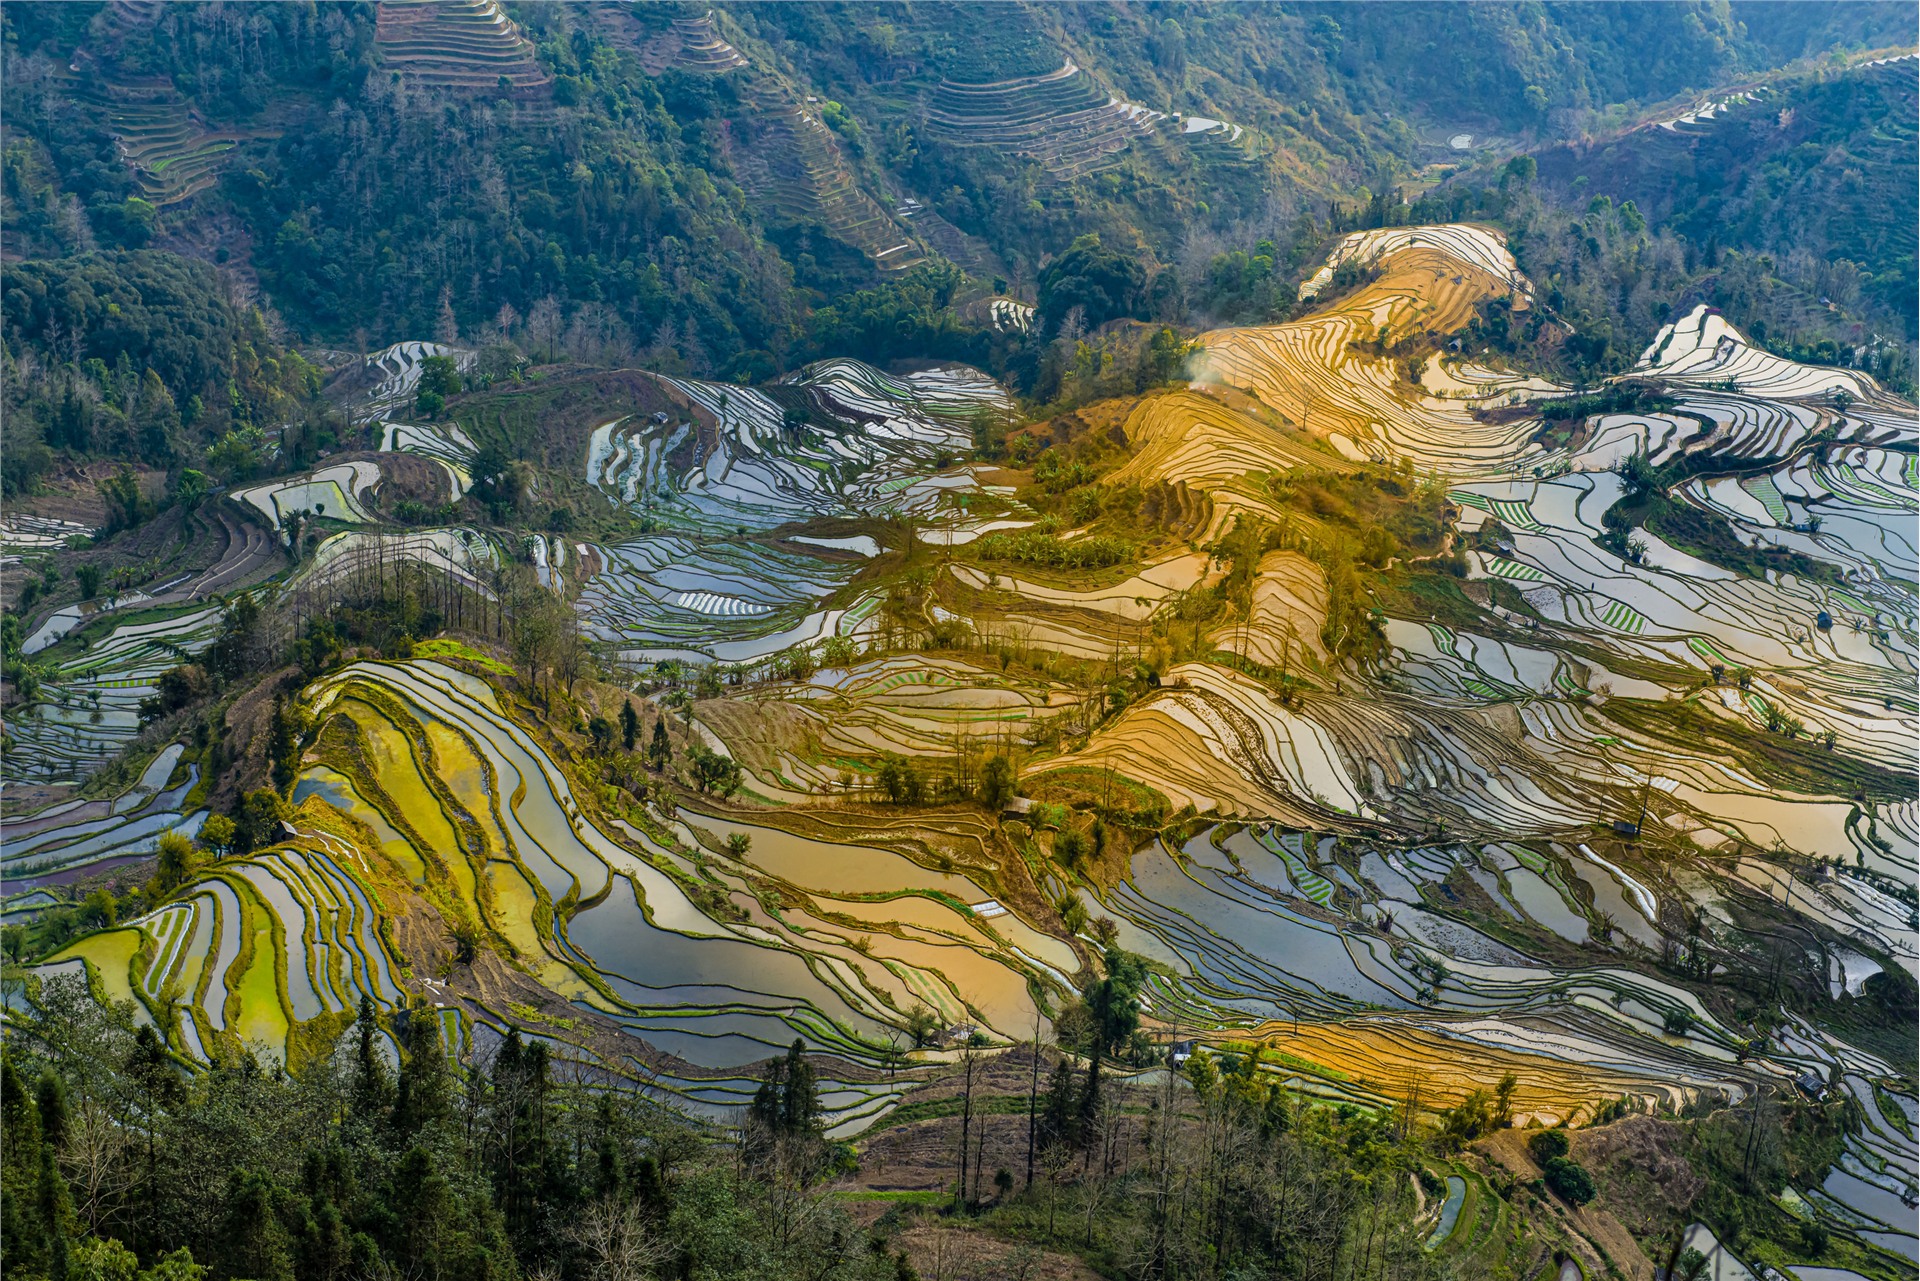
392, 1153
377, 1163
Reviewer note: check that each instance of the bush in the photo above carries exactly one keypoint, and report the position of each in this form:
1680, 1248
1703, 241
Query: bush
1677, 1022
1570, 1180
713, 772
1096, 551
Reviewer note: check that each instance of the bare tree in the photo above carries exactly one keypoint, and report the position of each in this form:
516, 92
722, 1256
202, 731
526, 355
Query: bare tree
544, 324
616, 1242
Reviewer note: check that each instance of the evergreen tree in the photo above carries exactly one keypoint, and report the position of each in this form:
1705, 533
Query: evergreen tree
629, 725
425, 1091
659, 751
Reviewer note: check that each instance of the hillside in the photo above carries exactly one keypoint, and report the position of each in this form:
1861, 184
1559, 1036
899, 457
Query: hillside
858, 642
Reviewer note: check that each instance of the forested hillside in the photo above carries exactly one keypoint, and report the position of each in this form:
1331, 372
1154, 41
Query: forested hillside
603, 178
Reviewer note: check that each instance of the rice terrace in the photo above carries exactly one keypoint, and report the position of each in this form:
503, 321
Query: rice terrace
958, 640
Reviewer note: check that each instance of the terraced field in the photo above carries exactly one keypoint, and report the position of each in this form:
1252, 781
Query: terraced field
466, 45
174, 154
1616, 705
793, 166
89, 704
690, 43
1059, 118
421, 782
839, 437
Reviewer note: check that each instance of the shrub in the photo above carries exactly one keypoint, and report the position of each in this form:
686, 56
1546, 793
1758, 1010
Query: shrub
1096, 551
1070, 848
1048, 814
1677, 1022
1570, 1180
713, 772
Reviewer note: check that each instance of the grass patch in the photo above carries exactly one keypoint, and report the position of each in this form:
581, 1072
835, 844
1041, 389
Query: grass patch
445, 647
902, 1196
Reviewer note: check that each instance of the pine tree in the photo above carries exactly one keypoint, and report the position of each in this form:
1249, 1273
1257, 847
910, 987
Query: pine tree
371, 1081
629, 726
659, 751
1057, 1113
800, 1102
426, 1092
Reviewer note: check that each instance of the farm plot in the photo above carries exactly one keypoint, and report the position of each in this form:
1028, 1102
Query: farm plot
1701, 350
468, 556
459, 783
388, 381
1060, 118
1314, 374
333, 492
822, 735
1137, 597
172, 152
1675, 610
795, 168
1251, 961
59, 840
445, 443
1214, 739
255, 948
20, 532
1478, 247
689, 42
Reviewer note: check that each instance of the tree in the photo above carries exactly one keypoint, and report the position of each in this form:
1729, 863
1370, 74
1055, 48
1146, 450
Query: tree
713, 772
600, 729
177, 860
1570, 1180
997, 783
89, 579
659, 750
256, 822
189, 489
439, 382
287, 739
1547, 1145
1104, 284
629, 725
1503, 1100
544, 322
217, 834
